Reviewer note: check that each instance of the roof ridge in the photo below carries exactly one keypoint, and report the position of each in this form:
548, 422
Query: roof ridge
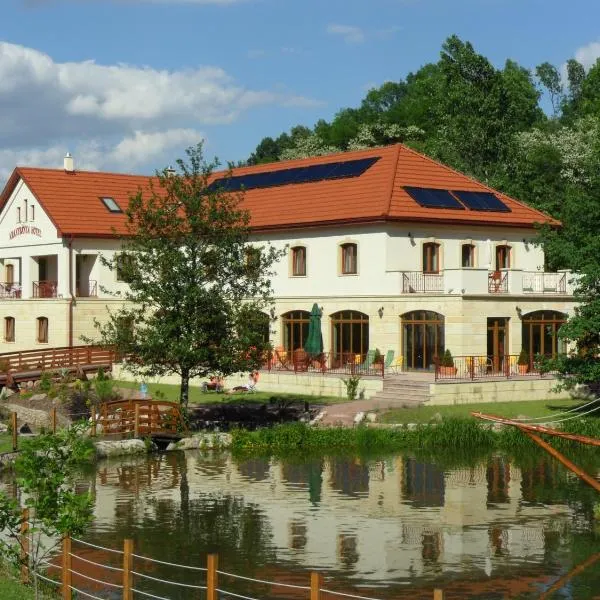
481, 183
393, 179
83, 171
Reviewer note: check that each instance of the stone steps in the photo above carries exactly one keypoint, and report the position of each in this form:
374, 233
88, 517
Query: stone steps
403, 392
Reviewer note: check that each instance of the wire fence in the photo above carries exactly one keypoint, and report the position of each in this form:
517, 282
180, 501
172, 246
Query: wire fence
102, 580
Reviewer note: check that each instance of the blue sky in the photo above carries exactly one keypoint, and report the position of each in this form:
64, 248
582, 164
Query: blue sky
128, 84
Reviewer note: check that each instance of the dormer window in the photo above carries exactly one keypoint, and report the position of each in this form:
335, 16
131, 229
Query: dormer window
111, 205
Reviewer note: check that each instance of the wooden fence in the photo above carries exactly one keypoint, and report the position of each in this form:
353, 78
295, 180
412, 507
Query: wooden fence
124, 580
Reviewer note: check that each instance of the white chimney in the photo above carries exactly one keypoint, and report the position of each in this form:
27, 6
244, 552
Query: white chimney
69, 163
170, 171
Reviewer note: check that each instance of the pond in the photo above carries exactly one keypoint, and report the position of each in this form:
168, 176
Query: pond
395, 526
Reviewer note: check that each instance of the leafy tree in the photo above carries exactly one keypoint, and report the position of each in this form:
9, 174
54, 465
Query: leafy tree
46, 472
550, 78
197, 285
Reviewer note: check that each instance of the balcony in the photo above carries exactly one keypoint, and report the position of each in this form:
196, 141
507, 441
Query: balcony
483, 282
415, 282
544, 283
86, 289
45, 289
498, 282
10, 290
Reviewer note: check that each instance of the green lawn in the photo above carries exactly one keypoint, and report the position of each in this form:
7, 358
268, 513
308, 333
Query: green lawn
11, 589
171, 392
536, 408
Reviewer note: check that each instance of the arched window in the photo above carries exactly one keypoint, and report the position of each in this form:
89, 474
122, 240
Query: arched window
540, 333
350, 336
9, 274
295, 329
502, 257
467, 255
42, 330
422, 339
9, 329
349, 259
299, 261
431, 257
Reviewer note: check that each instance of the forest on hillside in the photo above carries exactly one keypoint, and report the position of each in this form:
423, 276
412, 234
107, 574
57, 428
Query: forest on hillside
488, 123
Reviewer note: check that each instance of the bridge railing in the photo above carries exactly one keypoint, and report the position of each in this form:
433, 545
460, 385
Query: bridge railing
56, 358
140, 418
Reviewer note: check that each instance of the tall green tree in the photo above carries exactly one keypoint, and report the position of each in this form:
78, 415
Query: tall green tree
198, 288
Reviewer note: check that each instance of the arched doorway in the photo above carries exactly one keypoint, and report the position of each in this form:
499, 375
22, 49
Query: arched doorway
422, 338
295, 329
540, 333
349, 336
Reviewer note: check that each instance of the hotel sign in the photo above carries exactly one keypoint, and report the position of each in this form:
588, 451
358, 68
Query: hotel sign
23, 229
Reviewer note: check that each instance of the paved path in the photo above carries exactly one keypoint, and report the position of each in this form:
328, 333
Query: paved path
344, 413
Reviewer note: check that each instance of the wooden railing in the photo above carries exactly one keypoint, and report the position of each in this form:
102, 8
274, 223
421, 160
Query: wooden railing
544, 283
140, 418
55, 358
45, 289
415, 282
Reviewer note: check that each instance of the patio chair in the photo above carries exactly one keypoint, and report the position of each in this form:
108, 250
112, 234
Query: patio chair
366, 364
388, 360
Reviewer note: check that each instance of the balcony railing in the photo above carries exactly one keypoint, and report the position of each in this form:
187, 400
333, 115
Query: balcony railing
488, 367
10, 290
498, 282
544, 283
45, 289
416, 282
86, 289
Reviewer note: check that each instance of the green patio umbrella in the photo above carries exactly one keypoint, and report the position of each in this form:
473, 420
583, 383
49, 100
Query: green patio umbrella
314, 339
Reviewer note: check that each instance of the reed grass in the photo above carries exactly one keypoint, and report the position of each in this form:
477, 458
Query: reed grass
457, 436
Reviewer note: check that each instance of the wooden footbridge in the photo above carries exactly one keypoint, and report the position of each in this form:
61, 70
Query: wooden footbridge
159, 420
28, 365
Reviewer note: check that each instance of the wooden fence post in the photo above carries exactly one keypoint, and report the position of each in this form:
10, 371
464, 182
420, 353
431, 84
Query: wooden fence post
93, 431
127, 569
15, 431
212, 577
316, 583
53, 415
438, 594
136, 424
25, 545
66, 568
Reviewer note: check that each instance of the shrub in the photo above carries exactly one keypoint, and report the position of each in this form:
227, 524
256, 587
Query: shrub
378, 357
45, 384
523, 357
447, 360
352, 386
104, 386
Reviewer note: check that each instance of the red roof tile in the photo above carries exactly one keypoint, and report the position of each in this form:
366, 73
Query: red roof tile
72, 200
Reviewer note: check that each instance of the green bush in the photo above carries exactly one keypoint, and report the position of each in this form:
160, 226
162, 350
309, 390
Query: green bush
352, 384
523, 357
45, 384
447, 360
104, 387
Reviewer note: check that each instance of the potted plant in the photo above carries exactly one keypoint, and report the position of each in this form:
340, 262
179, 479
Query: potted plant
523, 362
377, 360
447, 368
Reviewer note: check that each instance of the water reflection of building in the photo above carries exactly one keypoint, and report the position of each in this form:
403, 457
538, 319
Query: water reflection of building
389, 519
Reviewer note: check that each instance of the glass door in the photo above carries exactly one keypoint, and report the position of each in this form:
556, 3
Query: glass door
497, 342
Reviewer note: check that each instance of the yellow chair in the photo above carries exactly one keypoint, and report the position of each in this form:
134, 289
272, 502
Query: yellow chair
396, 366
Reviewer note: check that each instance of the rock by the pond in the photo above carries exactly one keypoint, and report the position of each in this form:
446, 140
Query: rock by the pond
372, 417
38, 398
202, 440
3, 428
25, 428
359, 417
107, 449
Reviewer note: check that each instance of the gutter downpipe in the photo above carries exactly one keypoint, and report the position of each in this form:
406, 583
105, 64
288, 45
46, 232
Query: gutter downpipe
71, 298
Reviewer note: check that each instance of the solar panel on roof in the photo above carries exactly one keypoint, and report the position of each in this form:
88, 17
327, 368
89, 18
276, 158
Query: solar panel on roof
432, 198
481, 201
309, 174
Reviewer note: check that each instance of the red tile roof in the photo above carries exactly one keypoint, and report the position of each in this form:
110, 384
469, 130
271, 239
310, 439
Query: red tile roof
72, 200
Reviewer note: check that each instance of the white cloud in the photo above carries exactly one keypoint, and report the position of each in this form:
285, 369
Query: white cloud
350, 33
45, 104
588, 55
